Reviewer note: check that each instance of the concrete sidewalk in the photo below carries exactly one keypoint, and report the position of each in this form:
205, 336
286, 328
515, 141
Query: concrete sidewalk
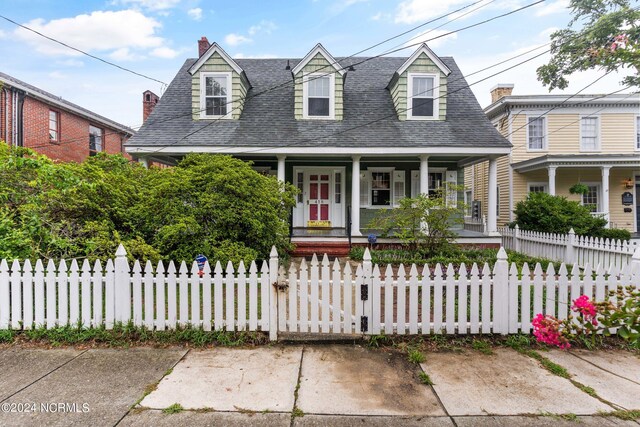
312, 385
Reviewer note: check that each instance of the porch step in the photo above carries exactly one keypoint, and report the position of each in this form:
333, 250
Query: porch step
332, 249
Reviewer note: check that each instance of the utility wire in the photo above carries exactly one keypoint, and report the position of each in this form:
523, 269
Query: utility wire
128, 70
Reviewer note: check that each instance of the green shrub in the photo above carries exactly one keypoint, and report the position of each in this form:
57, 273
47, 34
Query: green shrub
556, 214
614, 233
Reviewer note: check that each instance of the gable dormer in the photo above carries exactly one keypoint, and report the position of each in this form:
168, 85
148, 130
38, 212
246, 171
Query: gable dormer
419, 87
319, 81
218, 84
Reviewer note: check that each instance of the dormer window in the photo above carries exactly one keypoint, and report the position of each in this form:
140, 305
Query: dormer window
215, 100
423, 94
318, 93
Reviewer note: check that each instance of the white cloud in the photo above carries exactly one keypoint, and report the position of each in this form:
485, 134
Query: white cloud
97, 32
122, 54
195, 14
57, 75
425, 36
546, 33
236, 39
411, 11
2, 34
70, 63
264, 26
165, 52
558, 6
154, 5
341, 5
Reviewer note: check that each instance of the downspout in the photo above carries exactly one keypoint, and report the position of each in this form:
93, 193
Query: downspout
21, 96
14, 112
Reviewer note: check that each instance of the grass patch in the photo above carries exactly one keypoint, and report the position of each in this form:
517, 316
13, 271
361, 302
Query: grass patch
297, 412
416, 356
176, 408
378, 340
125, 335
6, 336
623, 415
565, 417
482, 346
550, 366
589, 390
425, 379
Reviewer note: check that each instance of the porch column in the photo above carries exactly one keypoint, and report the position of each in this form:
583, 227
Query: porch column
492, 212
355, 197
552, 180
424, 174
605, 193
144, 162
281, 159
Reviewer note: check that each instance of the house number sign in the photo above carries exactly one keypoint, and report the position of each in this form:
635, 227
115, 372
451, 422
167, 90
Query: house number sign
627, 198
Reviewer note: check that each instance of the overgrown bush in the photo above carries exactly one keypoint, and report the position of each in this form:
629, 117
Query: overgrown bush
210, 204
556, 214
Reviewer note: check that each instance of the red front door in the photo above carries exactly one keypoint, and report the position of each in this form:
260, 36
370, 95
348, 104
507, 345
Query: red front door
319, 197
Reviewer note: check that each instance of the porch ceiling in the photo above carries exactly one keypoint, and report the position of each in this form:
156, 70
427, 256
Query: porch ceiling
578, 161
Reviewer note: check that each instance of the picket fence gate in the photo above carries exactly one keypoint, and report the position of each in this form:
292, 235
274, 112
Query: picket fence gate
569, 248
315, 297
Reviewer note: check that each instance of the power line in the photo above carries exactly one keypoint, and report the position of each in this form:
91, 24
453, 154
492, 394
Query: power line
82, 51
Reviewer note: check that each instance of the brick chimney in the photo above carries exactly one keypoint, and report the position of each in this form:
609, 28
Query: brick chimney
149, 101
500, 90
203, 45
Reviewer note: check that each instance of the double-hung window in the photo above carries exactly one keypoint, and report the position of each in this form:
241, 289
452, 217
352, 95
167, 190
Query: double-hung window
538, 187
54, 126
537, 139
422, 90
589, 140
95, 140
215, 95
318, 96
381, 188
638, 133
591, 198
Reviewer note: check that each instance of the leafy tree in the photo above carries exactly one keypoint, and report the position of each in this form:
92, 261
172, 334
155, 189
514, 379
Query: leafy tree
422, 223
602, 34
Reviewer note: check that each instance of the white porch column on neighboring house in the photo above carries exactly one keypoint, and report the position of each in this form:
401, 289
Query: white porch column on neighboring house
552, 180
424, 174
355, 197
605, 193
281, 159
492, 211
144, 162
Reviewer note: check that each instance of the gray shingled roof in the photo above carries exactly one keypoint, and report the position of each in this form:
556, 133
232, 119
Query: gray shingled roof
268, 120
63, 103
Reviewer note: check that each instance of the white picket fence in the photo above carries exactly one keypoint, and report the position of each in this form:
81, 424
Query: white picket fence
315, 297
569, 248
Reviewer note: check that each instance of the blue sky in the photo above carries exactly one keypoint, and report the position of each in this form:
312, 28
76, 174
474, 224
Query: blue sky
154, 37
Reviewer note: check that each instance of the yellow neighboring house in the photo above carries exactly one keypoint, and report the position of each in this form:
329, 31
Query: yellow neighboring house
559, 142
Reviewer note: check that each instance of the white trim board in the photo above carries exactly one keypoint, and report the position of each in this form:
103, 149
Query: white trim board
312, 53
432, 56
205, 56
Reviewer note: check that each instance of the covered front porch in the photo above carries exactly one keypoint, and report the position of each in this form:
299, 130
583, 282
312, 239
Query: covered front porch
613, 183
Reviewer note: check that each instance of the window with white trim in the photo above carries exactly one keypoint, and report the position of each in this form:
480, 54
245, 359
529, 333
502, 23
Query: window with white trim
591, 199
436, 182
537, 139
638, 133
381, 187
215, 99
422, 91
318, 96
95, 140
468, 198
589, 140
54, 126
538, 187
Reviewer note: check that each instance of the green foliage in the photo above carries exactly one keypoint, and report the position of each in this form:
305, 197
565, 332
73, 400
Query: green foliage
452, 255
416, 356
602, 34
422, 223
579, 188
622, 311
555, 214
210, 204
176, 408
425, 378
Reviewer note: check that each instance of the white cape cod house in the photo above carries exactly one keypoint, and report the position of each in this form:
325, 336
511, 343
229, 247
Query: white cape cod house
355, 135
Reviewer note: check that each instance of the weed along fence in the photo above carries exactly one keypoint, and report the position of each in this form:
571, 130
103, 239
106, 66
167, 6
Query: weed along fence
569, 248
315, 297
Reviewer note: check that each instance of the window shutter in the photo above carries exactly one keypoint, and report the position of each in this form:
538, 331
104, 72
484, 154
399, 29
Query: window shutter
451, 182
398, 187
415, 183
364, 188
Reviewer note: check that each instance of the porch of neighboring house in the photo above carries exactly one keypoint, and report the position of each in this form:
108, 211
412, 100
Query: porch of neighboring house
323, 219
613, 182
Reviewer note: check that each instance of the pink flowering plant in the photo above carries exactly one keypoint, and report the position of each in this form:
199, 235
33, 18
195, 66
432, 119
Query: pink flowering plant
619, 313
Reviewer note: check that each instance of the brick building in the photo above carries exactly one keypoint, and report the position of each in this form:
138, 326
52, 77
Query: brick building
31, 117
